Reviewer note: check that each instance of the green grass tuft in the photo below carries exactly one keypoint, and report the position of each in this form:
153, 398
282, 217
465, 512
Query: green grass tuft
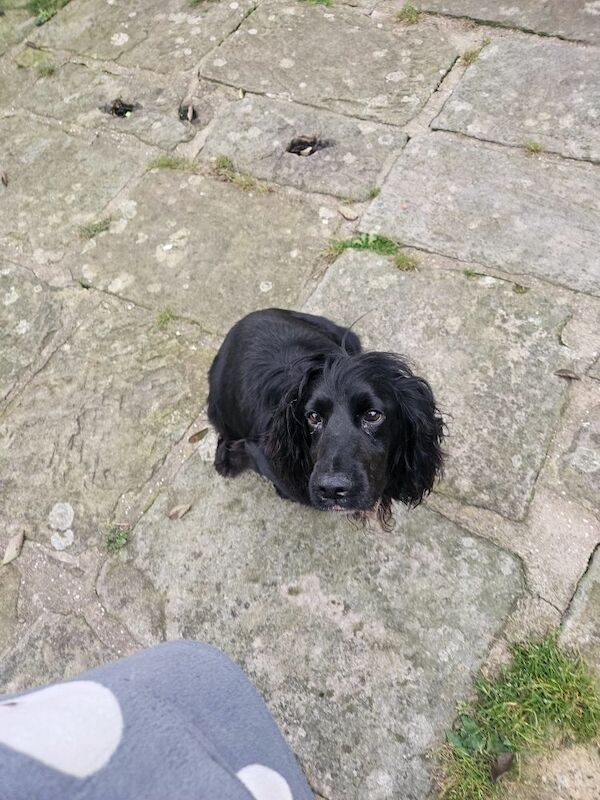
45, 70
533, 147
43, 10
469, 56
405, 261
117, 537
470, 273
169, 161
543, 693
373, 192
519, 289
94, 228
164, 316
408, 13
224, 168
318, 2
364, 241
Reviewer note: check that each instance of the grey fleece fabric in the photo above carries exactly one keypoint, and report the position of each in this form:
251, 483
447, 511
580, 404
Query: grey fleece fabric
179, 721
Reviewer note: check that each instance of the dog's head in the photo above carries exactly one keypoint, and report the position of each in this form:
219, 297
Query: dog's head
358, 432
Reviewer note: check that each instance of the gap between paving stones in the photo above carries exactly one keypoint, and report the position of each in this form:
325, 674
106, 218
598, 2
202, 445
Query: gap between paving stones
494, 23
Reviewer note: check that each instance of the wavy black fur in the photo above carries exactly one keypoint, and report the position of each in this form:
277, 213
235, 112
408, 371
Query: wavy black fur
274, 367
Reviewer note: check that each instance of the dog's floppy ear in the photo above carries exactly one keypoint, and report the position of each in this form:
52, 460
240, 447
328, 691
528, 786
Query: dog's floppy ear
417, 456
287, 444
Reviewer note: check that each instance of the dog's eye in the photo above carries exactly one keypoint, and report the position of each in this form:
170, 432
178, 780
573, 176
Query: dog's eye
313, 419
372, 416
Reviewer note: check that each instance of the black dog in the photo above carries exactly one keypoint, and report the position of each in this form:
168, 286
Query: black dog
294, 397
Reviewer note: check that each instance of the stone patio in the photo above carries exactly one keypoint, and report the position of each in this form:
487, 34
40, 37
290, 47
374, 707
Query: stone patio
361, 642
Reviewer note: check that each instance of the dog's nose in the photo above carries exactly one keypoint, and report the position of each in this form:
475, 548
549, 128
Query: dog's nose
334, 486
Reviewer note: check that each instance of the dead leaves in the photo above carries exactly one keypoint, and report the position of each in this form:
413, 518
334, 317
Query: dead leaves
198, 436
567, 374
501, 764
13, 548
177, 512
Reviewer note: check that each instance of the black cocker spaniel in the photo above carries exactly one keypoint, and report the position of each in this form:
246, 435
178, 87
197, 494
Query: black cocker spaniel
293, 397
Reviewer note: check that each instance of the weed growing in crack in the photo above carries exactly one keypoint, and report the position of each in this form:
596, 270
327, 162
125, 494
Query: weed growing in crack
117, 537
469, 56
405, 262
43, 10
94, 228
224, 168
164, 316
169, 161
533, 147
45, 70
409, 14
364, 241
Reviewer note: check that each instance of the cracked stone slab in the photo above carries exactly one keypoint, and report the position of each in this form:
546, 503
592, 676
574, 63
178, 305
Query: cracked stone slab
99, 418
576, 19
556, 106
256, 134
55, 647
30, 319
352, 635
207, 249
594, 370
57, 182
581, 628
580, 466
495, 206
182, 35
488, 352
333, 58
79, 94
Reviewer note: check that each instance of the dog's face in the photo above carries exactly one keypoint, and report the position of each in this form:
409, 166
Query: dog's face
366, 430
352, 425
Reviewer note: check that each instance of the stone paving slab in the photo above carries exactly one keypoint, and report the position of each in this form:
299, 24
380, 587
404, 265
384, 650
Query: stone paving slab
489, 353
13, 81
580, 467
9, 592
58, 181
256, 134
581, 628
15, 24
98, 419
574, 19
54, 647
100, 30
594, 371
208, 250
529, 215
520, 90
31, 321
356, 652
181, 35
570, 773
319, 56
80, 94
